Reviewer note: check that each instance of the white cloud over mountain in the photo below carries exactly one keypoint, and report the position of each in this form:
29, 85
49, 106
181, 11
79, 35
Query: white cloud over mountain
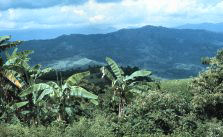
115, 13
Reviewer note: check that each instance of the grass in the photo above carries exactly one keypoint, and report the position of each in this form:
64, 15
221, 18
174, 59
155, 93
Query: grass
180, 86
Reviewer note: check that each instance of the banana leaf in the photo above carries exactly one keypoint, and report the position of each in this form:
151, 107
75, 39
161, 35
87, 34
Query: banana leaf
54, 85
115, 68
81, 92
4, 38
95, 102
20, 104
4, 46
139, 73
36, 88
107, 73
76, 78
45, 92
12, 79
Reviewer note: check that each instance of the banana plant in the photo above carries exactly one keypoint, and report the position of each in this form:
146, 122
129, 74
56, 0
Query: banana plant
123, 85
69, 91
17, 70
8, 81
4, 45
18, 63
52, 98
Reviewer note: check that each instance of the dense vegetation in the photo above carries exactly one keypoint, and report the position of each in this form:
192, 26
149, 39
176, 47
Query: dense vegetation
106, 101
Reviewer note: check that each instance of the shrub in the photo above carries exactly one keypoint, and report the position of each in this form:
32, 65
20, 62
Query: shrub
155, 113
97, 127
24, 131
208, 89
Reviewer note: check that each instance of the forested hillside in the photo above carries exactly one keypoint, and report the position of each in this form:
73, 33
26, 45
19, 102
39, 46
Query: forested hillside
169, 53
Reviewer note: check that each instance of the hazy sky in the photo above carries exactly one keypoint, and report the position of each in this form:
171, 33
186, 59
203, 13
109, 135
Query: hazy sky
24, 14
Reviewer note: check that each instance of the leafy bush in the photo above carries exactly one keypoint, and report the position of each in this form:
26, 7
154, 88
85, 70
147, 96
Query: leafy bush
157, 112
97, 127
208, 89
24, 131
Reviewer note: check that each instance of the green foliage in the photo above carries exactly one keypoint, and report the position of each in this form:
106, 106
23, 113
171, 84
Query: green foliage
179, 87
51, 99
157, 113
186, 107
123, 86
36, 103
5, 44
208, 89
76, 78
115, 68
97, 127
18, 63
33, 131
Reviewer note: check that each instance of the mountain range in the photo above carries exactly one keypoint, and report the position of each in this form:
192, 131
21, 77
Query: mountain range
169, 53
49, 33
215, 27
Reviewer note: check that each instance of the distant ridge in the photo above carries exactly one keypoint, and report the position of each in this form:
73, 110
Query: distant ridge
215, 27
50, 33
168, 52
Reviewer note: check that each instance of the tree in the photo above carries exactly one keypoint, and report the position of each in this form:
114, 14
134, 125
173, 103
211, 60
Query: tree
123, 86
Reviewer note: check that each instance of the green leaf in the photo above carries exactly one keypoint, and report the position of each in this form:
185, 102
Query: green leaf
107, 73
13, 55
115, 68
69, 111
6, 45
81, 92
19, 59
7, 55
57, 90
4, 38
36, 67
20, 104
25, 112
139, 73
45, 92
76, 78
135, 90
54, 85
46, 70
17, 69
37, 72
25, 53
36, 88
14, 52
95, 102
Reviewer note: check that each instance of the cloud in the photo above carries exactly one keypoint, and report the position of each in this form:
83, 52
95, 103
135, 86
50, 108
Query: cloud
108, 1
114, 13
96, 19
30, 4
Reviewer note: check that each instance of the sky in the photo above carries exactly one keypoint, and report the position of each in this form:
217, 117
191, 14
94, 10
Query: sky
36, 14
